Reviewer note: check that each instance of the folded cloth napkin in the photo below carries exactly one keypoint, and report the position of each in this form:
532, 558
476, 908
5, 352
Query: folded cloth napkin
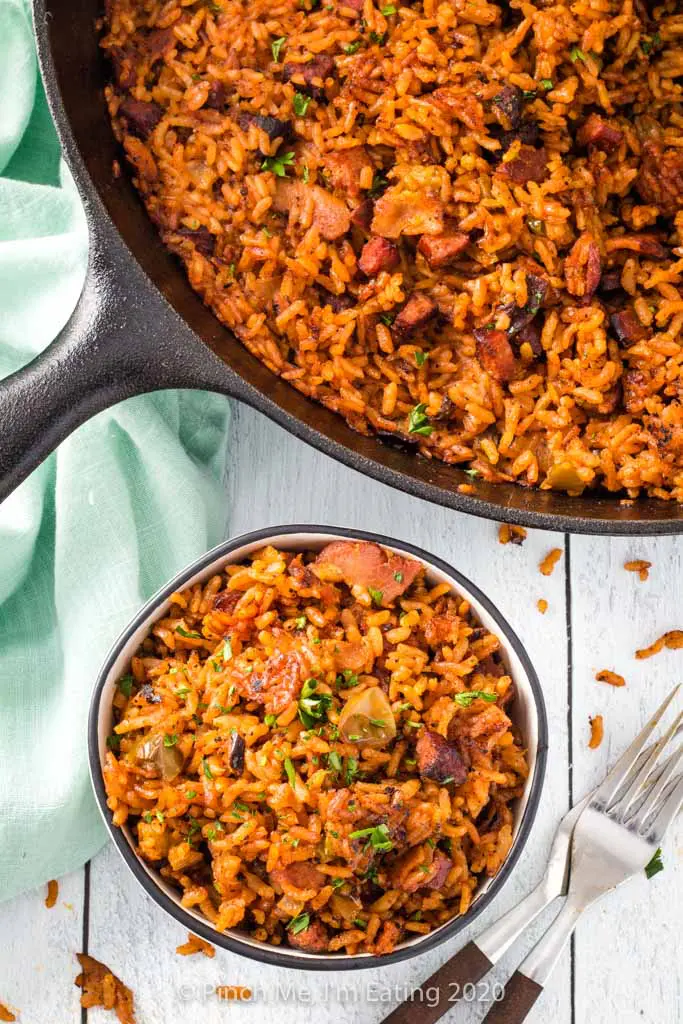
103, 523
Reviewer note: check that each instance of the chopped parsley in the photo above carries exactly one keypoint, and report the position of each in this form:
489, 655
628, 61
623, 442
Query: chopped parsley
472, 473
547, 84
352, 47
577, 54
360, 923
647, 45
420, 357
388, 10
289, 769
536, 226
301, 103
191, 794
351, 770
300, 623
126, 685
313, 707
378, 37
207, 770
170, 740
346, 678
379, 183
529, 94
278, 164
654, 866
398, 576
306, 174
387, 318
466, 698
227, 650
334, 761
270, 720
378, 837
418, 422
376, 595
337, 883
188, 636
212, 832
299, 923
276, 46
114, 742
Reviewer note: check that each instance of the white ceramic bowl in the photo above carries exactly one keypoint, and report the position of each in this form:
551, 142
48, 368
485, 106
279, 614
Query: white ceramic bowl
527, 710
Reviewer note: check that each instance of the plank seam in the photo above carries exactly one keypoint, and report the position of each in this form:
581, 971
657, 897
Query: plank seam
570, 741
86, 923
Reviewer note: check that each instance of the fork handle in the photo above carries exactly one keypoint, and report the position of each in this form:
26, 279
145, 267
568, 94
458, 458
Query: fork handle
526, 984
448, 983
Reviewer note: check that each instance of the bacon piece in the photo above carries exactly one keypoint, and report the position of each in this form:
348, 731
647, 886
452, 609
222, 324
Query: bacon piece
495, 354
330, 214
661, 177
279, 683
300, 875
345, 166
362, 215
418, 311
439, 760
405, 212
274, 127
313, 939
440, 250
140, 117
350, 655
369, 565
644, 245
217, 96
441, 629
628, 327
438, 874
378, 254
125, 60
595, 131
508, 105
159, 43
226, 601
583, 266
310, 77
459, 103
528, 165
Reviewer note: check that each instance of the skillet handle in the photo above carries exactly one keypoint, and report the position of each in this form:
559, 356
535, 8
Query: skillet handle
123, 339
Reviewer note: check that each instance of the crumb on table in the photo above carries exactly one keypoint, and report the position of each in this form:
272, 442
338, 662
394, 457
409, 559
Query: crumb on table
640, 566
508, 534
5, 1014
542, 605
196, 945
52, 893
613, 678
673, 640
597, 731
550, 561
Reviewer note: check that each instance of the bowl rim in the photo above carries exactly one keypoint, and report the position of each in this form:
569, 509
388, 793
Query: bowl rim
271, 954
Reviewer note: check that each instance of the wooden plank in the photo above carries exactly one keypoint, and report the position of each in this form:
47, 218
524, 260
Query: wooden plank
274, 480
626, 943
37, 947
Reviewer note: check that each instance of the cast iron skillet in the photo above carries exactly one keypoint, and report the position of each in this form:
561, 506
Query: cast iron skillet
139, 327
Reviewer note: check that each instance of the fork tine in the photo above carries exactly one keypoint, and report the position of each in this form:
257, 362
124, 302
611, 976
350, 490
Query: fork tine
605, 792
655, 793
667, 812
639, 775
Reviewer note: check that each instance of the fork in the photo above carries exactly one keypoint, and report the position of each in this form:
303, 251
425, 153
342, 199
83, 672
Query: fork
614, 838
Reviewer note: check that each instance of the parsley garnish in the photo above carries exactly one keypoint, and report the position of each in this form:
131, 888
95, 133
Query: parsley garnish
376, 595
207, 770
170, 741
300, 623
472, 473
537, 226
420, 357
378, 37
289, 769
378, 837
227, 650
418, 423
654, 866
114, 742
352, 47
278, 164
351, 770
188, 636
306, 174
299, 923
276, 46
126, 685
270, 719
301, 103
398, 576
347, 678
337, 883
576, 54
334, 761
379, 183
466, 698
313, 707
191, 794
389, 10
547, 84
387, 318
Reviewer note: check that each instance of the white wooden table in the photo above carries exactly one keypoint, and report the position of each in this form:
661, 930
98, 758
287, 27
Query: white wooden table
622, 964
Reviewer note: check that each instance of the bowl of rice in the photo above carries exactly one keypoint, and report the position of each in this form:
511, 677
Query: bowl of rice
319, 748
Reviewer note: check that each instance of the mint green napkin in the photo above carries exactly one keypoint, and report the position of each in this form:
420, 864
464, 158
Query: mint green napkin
125, 502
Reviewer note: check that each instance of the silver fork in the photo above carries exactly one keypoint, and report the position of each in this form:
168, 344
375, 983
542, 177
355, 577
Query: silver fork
614, 838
